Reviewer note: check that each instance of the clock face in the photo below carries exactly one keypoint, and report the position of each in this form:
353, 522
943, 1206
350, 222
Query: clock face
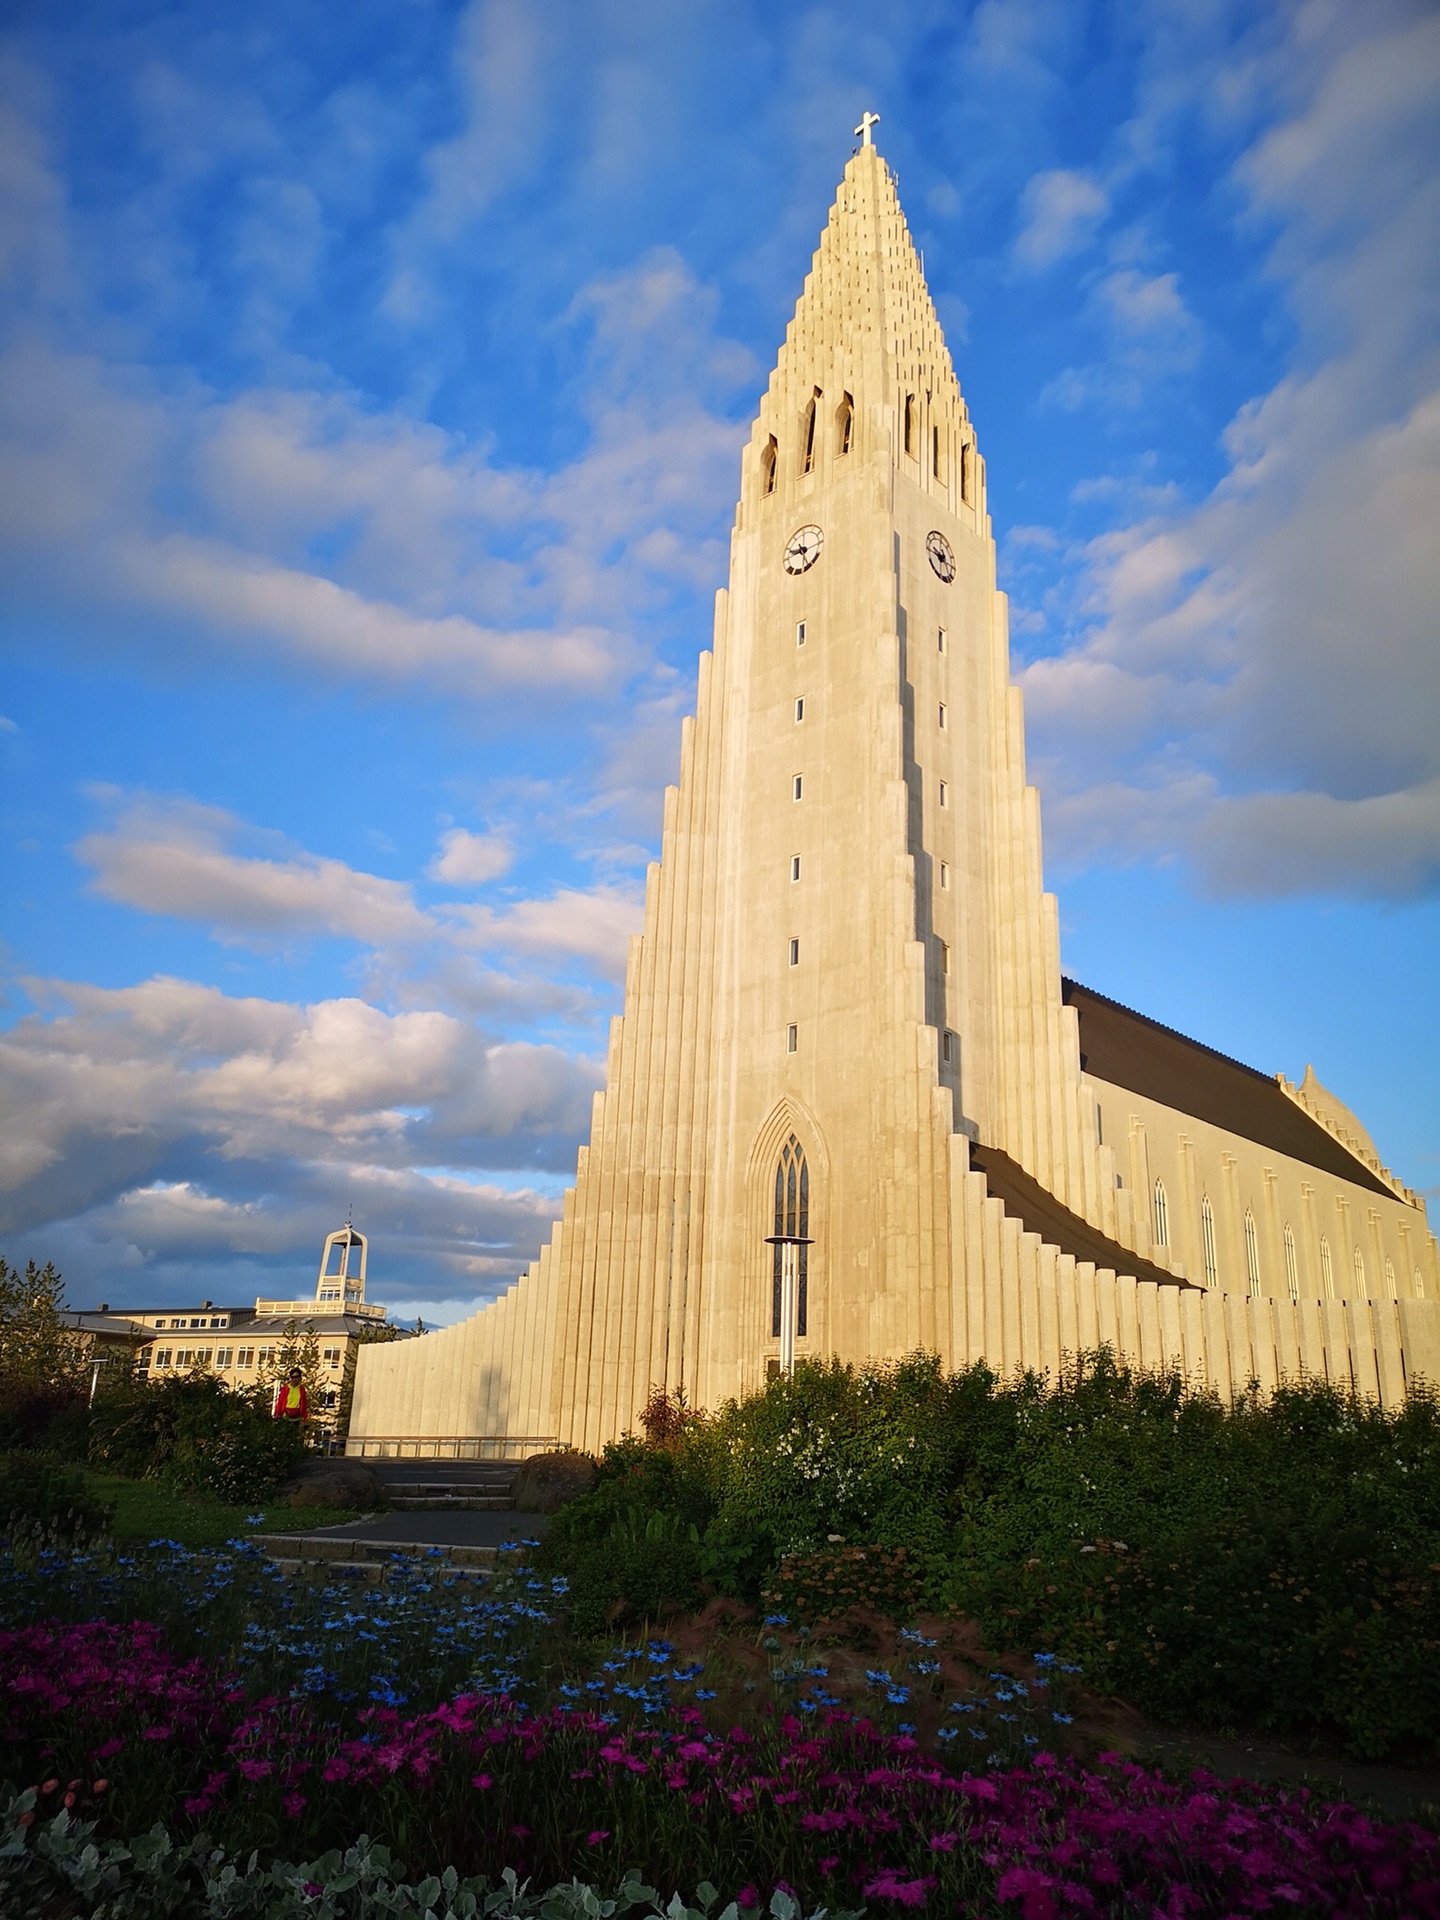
942, 558
804, 549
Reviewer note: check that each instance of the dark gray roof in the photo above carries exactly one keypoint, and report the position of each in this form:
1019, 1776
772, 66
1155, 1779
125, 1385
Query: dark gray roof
1125, 1048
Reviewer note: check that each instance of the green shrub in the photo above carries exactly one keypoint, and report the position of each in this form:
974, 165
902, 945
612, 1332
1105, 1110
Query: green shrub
41, 1499
197, 1433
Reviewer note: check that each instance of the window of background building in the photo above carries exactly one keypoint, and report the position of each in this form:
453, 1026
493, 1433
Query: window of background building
332, 1356
162, 1358
245, 1357
223, 1356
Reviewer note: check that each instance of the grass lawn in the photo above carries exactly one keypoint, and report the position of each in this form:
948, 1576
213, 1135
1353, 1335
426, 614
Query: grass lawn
149, 1510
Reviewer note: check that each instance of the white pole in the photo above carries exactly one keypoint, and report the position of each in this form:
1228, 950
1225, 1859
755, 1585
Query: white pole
789, 1264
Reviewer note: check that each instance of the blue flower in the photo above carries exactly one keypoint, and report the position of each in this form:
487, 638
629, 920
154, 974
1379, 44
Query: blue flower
776, 1620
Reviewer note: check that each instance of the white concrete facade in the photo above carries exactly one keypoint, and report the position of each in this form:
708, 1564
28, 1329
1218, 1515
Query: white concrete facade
848, 955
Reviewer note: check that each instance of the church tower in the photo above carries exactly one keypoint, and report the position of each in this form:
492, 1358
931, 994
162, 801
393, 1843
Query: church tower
846, 1111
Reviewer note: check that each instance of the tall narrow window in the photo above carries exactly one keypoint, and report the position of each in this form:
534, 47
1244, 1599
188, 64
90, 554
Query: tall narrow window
944, 957
844, 424
940, 639
769, 460
799, 633
965, 471
909, 423
794, 953
1419, 1280
799, 785
944, 794
794, 866
1207, 1240
1292, 1265
1391, 1290
1099, 1125
1327, 1271
942, 716
947, 1047
1252, 1254
935, 463
792, 1221
1162, 1216
800, 708
1362, 1285
792, 1039
810, 431
944, 878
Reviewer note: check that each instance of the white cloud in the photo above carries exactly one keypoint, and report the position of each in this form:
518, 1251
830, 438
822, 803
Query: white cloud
470, 859
1271, 652
595, 925
1063, 210
172, 857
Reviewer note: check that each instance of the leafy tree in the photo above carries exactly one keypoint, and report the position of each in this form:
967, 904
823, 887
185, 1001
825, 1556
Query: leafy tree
299, 1347
44, 1365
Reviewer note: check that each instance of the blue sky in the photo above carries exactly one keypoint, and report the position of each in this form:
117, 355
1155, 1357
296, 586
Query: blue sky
372, 383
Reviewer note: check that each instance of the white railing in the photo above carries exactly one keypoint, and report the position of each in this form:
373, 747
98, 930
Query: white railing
313, 1309
465, 1446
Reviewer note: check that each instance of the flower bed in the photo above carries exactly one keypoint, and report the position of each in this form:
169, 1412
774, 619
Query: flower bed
109, 1717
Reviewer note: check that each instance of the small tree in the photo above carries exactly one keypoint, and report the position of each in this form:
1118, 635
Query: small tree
44, 1365
299, 1347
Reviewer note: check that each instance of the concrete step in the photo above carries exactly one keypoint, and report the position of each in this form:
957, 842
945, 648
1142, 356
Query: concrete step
316, 1556
434, 1502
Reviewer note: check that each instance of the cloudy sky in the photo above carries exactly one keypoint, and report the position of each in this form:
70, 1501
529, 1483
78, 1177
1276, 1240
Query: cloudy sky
372, 382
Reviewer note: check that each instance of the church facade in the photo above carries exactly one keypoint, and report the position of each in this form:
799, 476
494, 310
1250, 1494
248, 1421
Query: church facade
852, 1107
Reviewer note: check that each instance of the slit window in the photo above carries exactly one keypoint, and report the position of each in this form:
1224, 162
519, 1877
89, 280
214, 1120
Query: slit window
965, 472
1162, 1215
936, 463
1327, 1269
1362, 1285
942, 716
909, 423
1252, 1254
940, 639
947, 1046
944, 877
799, 785
809, 461
794, 866
845, 425
794, 953
1390, 1287
1292, 1265
1207, 1241
800, 708
792, 1039
799, 633
769, 461
944, 795
944, 957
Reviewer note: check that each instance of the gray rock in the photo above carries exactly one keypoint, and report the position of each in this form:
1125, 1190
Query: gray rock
548, 1481
334, 1483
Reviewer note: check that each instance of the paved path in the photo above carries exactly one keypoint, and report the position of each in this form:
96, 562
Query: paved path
462, 1529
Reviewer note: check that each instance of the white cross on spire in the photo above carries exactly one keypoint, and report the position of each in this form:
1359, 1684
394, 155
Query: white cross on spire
867, 121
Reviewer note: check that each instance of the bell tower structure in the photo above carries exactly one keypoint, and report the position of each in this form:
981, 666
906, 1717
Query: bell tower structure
849, 1109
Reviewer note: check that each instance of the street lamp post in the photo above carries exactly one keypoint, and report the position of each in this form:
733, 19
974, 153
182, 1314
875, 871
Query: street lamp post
789, 1245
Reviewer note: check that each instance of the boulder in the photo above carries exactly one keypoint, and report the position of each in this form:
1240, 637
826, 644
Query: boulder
548, 1481
334, 1483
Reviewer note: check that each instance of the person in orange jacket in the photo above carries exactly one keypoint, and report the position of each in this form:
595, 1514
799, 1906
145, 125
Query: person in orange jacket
291, 1401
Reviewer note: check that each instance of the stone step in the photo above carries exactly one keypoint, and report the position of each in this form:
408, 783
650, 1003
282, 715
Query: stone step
317, 1554
452, 1502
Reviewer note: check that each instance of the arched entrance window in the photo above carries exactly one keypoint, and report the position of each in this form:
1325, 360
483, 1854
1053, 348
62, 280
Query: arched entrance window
792, 1222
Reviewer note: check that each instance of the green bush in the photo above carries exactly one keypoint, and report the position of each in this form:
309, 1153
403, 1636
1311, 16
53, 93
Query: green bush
41, 1499
198, 1434
1271, 1564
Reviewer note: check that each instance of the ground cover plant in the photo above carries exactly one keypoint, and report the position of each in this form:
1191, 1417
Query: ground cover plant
457, 1725
1272, 1564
